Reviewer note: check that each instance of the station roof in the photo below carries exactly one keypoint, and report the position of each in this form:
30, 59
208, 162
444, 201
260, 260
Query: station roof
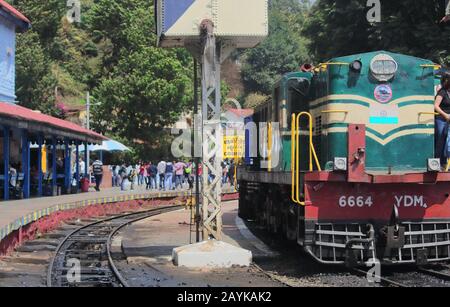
17, 116
10, 10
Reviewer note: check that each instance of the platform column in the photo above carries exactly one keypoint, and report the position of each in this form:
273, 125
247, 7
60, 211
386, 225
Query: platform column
212, 134
26, 164
86, 161
54, 171
6, 153
40, 142
67, 165
77, 163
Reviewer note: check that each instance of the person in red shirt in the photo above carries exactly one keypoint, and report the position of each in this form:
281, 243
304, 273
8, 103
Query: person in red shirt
141, 174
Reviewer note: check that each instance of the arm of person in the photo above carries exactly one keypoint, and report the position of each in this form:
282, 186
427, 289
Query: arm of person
437, 108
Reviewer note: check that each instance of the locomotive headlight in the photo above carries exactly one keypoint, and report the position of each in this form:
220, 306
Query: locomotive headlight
340, 164
383, 67
434, 165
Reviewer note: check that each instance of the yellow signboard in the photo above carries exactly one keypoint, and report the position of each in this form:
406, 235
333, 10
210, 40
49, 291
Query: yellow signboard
233, 147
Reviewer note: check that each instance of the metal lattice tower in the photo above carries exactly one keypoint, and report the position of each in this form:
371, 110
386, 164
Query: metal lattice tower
211, 30
212, 134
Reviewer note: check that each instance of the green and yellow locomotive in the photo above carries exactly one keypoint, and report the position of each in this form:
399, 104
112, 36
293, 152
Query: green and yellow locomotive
351, 173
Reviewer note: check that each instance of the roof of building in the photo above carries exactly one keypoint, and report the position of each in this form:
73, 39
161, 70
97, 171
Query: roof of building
5, 6
242, 112
9, 110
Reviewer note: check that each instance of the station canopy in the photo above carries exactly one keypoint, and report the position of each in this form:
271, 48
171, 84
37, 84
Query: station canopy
16, 116
107, 146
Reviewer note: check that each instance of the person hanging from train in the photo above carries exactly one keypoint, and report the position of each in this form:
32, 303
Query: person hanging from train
442, 106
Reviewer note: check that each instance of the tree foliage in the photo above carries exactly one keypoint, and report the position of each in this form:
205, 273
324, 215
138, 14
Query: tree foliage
35, 82
143, 89
283, 51
340, 27
112, 54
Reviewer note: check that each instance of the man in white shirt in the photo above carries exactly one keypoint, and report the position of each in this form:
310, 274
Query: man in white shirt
161, 174
82, 167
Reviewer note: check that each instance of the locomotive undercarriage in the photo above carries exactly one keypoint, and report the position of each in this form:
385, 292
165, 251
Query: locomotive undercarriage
347, 242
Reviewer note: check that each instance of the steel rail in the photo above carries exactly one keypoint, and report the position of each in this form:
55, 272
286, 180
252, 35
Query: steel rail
382, 279
434, 273
141, 215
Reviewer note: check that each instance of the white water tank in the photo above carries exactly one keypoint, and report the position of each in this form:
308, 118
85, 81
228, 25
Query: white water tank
242, 23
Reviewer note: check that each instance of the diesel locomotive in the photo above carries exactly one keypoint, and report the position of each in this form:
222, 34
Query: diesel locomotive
355, 176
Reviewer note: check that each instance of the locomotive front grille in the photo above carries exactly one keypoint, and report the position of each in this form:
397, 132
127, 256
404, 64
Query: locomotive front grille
432, 238
327, 243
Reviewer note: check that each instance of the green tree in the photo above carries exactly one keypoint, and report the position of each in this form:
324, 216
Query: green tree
45, 17
143, 89
124, 26
340, 27
34, 79
283, 51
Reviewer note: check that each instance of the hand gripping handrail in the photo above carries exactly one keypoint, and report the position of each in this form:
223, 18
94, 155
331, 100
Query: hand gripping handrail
295, 155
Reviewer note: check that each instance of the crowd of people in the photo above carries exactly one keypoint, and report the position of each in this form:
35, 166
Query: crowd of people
165, 175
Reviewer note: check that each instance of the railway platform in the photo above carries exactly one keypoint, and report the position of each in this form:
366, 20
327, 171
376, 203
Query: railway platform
22, 219
148, 244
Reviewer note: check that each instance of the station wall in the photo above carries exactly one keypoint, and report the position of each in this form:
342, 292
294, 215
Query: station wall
7, 61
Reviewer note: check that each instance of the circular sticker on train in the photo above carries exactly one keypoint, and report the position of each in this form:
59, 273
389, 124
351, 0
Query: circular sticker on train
383, 93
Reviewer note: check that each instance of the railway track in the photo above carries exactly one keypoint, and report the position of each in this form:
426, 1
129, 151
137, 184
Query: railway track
418, 277
84, 257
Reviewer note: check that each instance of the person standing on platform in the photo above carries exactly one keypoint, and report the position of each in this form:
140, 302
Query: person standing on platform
188, 175
115, 175
142, 175
97, 169
169, 176
200, 173
231, 171
224, 165
161, 174
152, 172
122, 176
132, 177
12, 176
82, 167
179, 173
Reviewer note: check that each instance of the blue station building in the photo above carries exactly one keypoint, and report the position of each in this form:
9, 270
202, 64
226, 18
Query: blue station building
39, 153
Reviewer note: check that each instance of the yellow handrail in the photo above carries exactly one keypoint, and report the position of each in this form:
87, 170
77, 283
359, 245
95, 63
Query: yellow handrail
295, 141
293, 136
334, 111
333, 63
435, 66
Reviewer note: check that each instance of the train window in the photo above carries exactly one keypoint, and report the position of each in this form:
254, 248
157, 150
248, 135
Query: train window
383, 67
276, 105
297, 97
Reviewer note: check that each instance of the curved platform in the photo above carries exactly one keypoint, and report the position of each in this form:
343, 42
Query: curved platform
22, 219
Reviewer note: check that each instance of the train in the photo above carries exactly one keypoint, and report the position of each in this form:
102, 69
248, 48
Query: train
349, 170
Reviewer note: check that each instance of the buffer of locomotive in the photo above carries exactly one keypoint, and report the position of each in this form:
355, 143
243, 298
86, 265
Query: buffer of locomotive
379, 176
